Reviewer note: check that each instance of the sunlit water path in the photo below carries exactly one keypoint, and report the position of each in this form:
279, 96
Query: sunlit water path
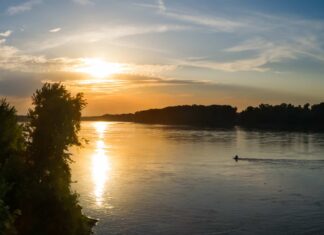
152, 179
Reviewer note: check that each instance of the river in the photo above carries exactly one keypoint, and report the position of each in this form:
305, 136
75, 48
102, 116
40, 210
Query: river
154, 179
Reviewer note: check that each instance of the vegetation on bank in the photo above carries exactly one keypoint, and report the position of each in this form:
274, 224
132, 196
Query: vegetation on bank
197, 115
35, 177
283, 116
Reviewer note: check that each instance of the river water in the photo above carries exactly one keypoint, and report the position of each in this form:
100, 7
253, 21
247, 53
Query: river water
154, 179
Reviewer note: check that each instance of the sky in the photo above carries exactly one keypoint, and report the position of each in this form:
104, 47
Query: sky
130, 55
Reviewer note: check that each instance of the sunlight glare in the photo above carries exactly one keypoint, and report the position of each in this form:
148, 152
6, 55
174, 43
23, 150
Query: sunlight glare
100, 163
100, 171
99, 68
100, 128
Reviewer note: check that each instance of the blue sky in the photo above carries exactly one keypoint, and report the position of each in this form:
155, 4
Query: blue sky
238, 52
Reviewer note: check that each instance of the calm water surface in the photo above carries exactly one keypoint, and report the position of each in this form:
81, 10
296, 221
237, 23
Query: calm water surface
152, 179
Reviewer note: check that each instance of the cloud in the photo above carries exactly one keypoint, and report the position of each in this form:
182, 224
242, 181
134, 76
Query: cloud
215, 23
149, 69
83, 2
18, 84
293, 40
182, 91
158, 91
121, 82
262, 40
105, 33
13, 59
26, 6
55, 30
135, 89
6, 33
266, 52
255, 41
146, 80
161, 5
271, 51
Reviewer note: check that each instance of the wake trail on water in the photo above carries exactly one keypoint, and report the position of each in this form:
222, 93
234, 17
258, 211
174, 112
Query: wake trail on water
284, 161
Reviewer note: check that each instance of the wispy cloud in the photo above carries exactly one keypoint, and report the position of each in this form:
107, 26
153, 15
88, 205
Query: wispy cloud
26, 6
6, 33
124, 82
273, 51
188, 90
265, 52
267, 39
13, 59
215, 23
301, 41
150, 69
84, 2
255, 41
55, 30
161, 5
105, 33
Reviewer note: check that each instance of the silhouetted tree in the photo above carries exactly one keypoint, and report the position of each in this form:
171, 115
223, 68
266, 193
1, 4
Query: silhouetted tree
194, 115
283, 116
11, 138
52, 207
35, 194
317, 114
53, 127
11, 145
197, 115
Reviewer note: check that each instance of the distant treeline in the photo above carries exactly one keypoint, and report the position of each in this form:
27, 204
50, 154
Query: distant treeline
198, 115
283, 116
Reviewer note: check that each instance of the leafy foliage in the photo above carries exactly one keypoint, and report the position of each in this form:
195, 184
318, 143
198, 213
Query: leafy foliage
11, 144
10, 137
54, 124
35, 174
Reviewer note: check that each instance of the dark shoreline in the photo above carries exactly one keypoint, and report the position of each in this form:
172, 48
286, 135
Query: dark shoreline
283, 117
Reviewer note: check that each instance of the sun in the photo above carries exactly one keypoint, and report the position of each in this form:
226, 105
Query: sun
99, 68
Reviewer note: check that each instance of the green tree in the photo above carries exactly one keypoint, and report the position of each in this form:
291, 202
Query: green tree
49, 205
54, 124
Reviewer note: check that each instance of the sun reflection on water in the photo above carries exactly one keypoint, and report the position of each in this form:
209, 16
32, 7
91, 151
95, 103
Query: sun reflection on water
101, 128
100, 163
